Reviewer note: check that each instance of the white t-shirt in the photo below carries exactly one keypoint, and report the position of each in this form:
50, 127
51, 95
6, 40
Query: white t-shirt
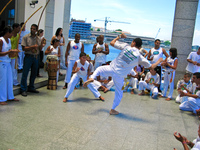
83, 69
196, 144
157, 54
100, 57
6, 47
55, 50
171, 62
153, 79
128, 58
188, 85
191, 67
75, 50
132, 72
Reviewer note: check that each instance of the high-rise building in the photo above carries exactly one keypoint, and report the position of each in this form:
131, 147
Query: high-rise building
79, 26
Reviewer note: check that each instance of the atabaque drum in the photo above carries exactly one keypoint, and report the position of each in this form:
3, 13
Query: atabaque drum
52, 66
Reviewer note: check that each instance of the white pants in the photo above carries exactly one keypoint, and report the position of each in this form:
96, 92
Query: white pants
69, 70
133, 83
62, 60
75, 78
107, 85
14, 72
192, 104
118, 82
181, 99
6, 82
97, 64
21, 56
167, 83
143, 85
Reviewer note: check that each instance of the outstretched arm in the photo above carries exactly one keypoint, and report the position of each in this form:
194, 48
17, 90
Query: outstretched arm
112, 43
156, 63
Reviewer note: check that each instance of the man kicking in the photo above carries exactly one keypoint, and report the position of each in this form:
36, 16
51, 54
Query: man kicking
127, 59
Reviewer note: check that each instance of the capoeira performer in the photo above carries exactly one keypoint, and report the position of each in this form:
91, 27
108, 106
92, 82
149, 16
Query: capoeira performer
6, 79
74, 48
193, 100
184, 85
151, 82
81, 70
170, 66
128, 58
156, 53
100, 50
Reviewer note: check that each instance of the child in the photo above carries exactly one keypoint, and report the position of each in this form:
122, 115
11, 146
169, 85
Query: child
170, 69
152, 82
193, 100
81, 70
184, 85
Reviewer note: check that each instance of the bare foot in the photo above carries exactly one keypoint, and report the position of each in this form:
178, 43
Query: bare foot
15, 99
113, 112
65, 100
142, 93
168, 99
132, 91
198, 112
88, 82
105, 90
3, 103
101, 98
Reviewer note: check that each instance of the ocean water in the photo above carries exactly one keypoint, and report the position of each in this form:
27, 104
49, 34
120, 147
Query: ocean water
112, 55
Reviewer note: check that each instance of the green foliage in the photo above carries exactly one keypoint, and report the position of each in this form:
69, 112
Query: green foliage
91, 29
118, 30
167, 43
98, 29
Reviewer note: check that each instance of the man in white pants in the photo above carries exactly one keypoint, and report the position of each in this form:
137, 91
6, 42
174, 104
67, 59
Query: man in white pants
100, 49
128, 58
74, 48
193, 100
151, 82
81, 70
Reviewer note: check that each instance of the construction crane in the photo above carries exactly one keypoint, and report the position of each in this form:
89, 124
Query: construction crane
157, 33
106, 21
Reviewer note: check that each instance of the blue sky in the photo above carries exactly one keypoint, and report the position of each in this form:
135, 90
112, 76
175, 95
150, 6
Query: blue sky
145, 16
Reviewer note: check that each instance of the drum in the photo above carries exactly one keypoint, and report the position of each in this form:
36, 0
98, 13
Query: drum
52, 66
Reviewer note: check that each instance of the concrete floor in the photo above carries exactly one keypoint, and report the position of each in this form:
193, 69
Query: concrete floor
43, 122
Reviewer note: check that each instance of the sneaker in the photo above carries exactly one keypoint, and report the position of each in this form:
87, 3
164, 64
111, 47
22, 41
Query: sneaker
33, 91
24, 93
155, 97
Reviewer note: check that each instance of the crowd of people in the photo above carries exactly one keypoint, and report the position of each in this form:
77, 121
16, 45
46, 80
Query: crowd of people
130, 68
134, 68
